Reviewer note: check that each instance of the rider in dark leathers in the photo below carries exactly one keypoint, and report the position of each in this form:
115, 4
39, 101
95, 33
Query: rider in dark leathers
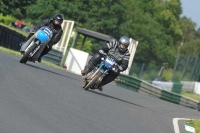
118, 51
55, 25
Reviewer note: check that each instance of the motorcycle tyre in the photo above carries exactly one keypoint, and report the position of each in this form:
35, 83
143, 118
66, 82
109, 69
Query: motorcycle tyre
92, 81
24, 59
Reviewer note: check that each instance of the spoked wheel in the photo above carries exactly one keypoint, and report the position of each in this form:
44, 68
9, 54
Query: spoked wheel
91, 83
25, 57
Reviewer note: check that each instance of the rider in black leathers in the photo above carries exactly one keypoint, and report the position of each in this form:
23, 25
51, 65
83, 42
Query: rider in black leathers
55, 25
118, 51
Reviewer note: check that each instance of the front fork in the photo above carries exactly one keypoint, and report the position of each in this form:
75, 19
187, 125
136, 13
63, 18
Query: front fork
91, 75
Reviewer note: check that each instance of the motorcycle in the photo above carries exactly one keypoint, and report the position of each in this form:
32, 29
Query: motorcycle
32, 49
93, 79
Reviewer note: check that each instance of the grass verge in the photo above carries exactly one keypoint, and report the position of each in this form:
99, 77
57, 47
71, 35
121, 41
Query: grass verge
196, 124
191, 95
19, 54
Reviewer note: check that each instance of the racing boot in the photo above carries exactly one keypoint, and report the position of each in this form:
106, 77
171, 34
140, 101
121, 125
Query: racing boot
39, 58
100, 88
87, 69
21, 43
96, 59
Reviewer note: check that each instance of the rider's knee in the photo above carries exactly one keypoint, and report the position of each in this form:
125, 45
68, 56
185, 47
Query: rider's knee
114, 74
96, 59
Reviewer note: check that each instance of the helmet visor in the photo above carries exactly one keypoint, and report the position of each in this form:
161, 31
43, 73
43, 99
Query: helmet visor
122, 46
57, 21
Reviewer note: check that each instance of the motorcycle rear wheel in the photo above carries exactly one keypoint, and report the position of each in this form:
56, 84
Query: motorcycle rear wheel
25, 57
93, 81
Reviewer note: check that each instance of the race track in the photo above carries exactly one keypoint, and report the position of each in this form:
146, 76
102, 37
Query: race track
35, 98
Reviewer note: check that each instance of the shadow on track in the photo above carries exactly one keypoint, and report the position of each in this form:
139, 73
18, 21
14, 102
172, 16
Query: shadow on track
52, 72
105, 95
88, 90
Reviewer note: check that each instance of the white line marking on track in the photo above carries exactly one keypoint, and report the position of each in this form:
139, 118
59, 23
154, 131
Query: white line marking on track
175, 123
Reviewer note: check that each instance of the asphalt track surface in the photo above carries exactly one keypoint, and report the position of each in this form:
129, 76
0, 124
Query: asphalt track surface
35, 98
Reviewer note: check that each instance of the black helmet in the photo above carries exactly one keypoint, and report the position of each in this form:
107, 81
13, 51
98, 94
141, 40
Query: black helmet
58, 17
125, 41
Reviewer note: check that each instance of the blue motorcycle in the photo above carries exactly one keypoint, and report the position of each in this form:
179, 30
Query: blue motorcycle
93, 79
32, 49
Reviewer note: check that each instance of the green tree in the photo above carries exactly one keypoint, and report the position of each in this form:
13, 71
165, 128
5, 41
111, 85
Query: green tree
191, 37
16, 8
168, 16
43, 9
85, 13
188, 28
155, 25
191, 48
197, 33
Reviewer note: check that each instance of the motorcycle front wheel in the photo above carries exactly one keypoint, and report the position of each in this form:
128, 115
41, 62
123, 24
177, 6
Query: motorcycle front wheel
93, 81
25, 57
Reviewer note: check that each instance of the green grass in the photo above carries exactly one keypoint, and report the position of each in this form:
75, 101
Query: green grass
10, 51
19, 54
196, 124
191, 95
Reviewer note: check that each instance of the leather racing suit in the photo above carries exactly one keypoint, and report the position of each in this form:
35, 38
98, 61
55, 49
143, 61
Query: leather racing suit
121, 58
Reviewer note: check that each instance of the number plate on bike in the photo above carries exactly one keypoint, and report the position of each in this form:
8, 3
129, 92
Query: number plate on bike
47, 31
109, 62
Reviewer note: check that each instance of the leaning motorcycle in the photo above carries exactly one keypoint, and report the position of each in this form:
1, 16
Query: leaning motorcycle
32, 49
93, 79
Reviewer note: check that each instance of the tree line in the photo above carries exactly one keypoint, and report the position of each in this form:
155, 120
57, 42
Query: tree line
156, 24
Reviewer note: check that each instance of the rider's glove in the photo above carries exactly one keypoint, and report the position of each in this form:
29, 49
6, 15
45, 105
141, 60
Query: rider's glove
120, 68
102, 52
116, 69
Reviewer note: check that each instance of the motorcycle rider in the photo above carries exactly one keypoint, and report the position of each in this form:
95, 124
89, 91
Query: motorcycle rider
55, 25
118, 50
